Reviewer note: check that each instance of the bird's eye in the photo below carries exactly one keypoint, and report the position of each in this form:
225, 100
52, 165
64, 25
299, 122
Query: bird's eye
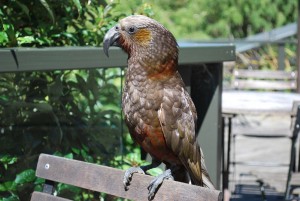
131, 30
117, 28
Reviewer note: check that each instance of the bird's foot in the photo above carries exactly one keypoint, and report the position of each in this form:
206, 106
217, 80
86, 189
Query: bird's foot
157, 181
128, 175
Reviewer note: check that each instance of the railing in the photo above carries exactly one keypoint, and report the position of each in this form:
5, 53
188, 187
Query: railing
29, 59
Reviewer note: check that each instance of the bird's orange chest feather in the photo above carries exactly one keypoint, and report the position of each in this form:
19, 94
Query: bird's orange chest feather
163, 71
153, 141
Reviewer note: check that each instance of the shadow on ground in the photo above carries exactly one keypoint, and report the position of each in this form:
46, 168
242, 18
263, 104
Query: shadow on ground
249, 192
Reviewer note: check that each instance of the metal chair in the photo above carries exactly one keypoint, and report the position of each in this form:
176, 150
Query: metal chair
293, 178
268, 80
265, 80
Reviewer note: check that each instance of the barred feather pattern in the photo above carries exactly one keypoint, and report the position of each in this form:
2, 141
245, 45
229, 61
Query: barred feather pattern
158, 110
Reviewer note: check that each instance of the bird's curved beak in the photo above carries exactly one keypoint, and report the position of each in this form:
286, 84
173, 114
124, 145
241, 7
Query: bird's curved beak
110, 39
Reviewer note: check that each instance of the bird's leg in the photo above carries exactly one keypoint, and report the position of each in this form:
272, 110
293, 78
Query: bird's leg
139, 169
157, 181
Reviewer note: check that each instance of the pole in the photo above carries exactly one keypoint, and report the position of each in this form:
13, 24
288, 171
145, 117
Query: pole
298, 49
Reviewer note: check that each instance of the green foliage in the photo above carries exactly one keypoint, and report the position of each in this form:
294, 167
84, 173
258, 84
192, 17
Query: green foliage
55, 23
74, 22
267, 57
202, 19
79, 22
73, 113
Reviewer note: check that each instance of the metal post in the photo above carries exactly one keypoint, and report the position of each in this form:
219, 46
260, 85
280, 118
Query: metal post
281, 56
298, 48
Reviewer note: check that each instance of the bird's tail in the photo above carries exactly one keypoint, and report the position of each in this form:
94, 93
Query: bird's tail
198, 171
205, 176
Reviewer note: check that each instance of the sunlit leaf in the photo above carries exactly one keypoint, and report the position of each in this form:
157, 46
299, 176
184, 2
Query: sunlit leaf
3, 37
25, 39
70, 156
78, 5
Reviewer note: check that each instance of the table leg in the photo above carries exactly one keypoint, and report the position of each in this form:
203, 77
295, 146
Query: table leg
298, 156
223, 154
226, 152
229, 148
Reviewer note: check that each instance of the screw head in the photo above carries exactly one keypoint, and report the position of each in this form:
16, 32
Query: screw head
47, 166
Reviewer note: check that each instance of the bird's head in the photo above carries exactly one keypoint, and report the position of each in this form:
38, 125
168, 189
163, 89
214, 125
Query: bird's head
144, 39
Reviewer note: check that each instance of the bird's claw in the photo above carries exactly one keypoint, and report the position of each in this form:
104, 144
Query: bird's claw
128, 175
157, 181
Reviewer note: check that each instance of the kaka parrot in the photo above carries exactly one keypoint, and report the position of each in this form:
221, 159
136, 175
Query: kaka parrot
158, 110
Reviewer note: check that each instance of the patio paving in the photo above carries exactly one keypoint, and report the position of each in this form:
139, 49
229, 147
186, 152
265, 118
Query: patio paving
243, 178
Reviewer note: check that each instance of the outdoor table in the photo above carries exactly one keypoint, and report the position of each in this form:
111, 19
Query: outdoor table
251, 103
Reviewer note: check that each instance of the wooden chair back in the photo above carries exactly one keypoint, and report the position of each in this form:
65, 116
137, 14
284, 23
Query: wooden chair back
110, 180
264, 80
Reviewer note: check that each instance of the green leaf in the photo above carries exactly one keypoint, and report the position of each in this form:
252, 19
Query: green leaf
75, 150
10, 31
46, 5
86, 157
11, 198
78, 5
39, 181
155, 171
25, 176
25, 39
3, 37
69, 156
65, 188
7, 159
8, 186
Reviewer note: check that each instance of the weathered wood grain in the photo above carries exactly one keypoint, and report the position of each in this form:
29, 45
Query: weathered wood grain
39, 196
109, 180
268, 85
264, 80
265, 74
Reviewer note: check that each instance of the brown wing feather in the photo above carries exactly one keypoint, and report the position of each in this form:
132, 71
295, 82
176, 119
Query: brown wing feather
177, 116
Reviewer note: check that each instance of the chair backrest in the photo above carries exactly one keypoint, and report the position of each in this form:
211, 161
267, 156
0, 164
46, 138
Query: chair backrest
264, 80
295, 135
109, 180
293, 156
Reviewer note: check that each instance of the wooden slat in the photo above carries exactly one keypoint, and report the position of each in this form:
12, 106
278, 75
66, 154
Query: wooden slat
265, 84
264, 80
265, 74
295, 179
109, 180
264, 133
39, 196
